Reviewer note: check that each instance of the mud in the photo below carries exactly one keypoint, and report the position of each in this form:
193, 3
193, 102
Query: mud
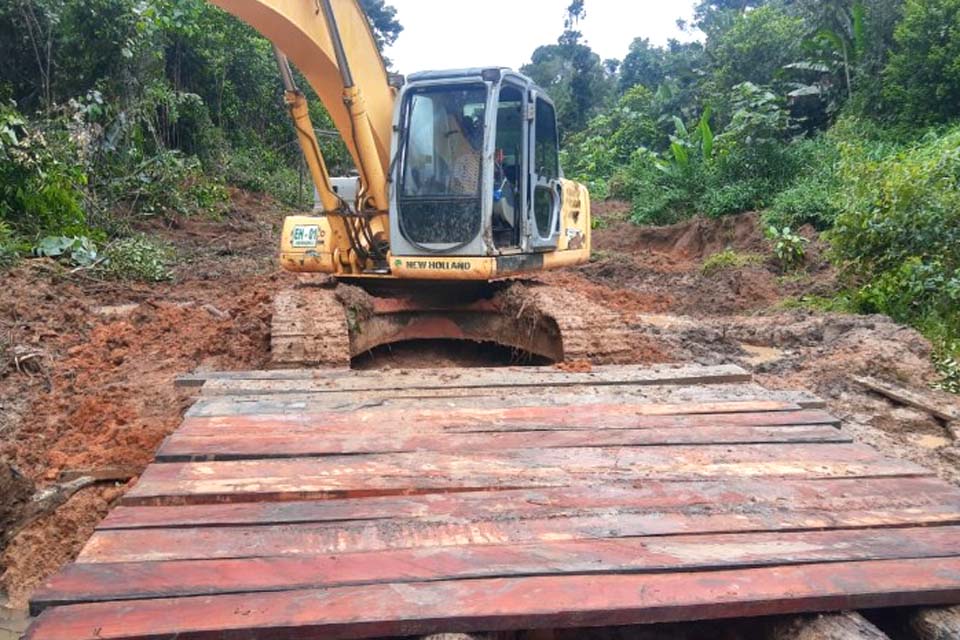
99, 393
86, 367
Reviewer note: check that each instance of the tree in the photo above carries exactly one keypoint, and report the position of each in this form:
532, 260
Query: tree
715, 16
383, 21
573, 75
923, 77
643, 65
756, 47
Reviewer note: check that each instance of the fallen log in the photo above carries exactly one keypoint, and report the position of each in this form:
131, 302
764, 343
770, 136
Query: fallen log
941, 623
46, 501
939, 404
836, 626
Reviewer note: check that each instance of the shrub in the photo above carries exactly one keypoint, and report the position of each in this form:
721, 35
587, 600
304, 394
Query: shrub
137, 258
814, 197
79, 250
898, 234
40, 179
788, 247
268, 172
9, 252
735, 171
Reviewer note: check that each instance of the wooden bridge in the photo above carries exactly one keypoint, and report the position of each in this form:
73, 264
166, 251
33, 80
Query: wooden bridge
298, 504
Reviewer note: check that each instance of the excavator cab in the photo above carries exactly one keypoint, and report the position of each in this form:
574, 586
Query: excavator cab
458, 172
476, 169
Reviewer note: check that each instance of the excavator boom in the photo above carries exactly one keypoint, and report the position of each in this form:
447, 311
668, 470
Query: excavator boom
331, 43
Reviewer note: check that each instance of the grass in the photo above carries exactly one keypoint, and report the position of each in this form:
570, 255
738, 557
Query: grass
729, 259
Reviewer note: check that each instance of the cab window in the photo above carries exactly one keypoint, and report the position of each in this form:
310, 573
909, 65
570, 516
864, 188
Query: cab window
548, 161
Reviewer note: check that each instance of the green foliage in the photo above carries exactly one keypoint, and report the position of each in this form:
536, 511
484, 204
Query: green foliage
572, 74
788, 246
755, 47
899, 232
814, 197
39, 185
9, 251
644, 65
269, 172
715, 174
78, 250
728, 259
946, 358
608, 141
137, 258
923, 78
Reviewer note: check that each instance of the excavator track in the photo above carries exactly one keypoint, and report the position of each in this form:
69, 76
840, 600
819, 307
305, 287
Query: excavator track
327, 325
309, 328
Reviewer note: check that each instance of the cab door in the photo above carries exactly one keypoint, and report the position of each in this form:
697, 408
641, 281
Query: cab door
543, 205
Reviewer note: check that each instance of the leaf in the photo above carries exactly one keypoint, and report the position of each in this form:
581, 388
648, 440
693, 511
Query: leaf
859, 29
831, 37
52, 246
680, 127
681, 155
706, 134
809, 65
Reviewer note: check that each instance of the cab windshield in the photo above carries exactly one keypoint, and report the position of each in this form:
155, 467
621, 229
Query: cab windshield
442, 164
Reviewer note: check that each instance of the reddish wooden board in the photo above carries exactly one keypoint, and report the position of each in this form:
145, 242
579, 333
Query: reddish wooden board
93, 582
502, 515
518, 603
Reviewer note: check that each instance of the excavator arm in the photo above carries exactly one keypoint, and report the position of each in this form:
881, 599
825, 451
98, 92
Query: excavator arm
331, 43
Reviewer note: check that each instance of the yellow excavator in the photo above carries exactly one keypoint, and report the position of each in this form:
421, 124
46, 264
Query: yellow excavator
459, 191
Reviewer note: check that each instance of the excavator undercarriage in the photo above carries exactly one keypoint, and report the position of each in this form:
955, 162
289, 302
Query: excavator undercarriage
325, 323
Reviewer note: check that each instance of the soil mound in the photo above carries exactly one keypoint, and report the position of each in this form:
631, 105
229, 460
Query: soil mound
690, 240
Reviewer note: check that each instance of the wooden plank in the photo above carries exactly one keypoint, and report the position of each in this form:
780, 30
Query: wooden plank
230, 446
940, 404
503, 378
93, 582
339, 379
593, 419
198, 378
450, 399
532, 602
152, 545
733, 494
422, 472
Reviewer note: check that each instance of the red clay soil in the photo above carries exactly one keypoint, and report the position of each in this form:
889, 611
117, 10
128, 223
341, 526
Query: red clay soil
658, 269
97, 392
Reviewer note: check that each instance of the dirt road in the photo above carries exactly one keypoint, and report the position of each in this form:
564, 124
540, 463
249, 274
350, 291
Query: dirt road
87, 366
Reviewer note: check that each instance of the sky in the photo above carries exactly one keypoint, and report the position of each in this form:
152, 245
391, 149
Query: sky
448, 34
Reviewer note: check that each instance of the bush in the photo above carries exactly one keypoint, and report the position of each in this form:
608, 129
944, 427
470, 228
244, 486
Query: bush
268, 172
738, 170
137, 258
813, 198
899, 232
40, 179
9, 252
79, 250
788, 247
